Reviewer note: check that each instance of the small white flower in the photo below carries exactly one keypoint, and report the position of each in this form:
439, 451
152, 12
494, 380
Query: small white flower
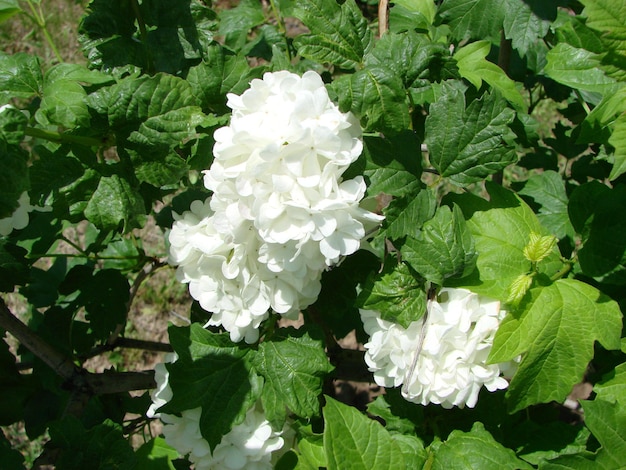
252, 444
451, 367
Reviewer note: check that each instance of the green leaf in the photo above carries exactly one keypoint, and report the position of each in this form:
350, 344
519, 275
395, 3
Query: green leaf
20, 76
578, 68
293, 365
612, 387
474, 66
472, 450
352, 441
396, 294
210, 366
339, 33
467, 145
405, 216
607, 422
592, 210
443, 249
501, 229
9, 8
104, 296
63, 104
377, 96
220, 72
76, 73
102, 446
618, 140
555, 331
474, 19
608, 17
115, 204
13, 177
133, 100
391, 165
526, 23
12, 125
311, 449
236, 23
548, 190
11, 458
156, 454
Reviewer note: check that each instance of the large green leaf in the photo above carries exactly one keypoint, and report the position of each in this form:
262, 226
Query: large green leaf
293, 365
468, 144
474, 19
64, 104
391, 165
608, 17
396, 294
612, 387
8, 8
13, 177
339, 33
473, 65
548, 189
618, 140
115, 205
220, 72
377, 96
236, 23
578, 68
555, 330
444, 248
209, 367
592, 210
607, 422
405, 216
472, 450
352, 441
501, 229
20, 76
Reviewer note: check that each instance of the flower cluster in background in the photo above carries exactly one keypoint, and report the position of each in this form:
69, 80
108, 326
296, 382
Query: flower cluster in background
280, 213
451, 367
251, 444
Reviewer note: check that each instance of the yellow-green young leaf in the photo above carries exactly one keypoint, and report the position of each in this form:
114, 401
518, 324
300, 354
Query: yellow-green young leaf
555, 330
476, 449
518, 288
539, 247
618, 140
352, 441
474, 66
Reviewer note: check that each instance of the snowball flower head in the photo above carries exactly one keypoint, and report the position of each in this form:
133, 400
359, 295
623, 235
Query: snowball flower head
280, 213
252, 444
452, 365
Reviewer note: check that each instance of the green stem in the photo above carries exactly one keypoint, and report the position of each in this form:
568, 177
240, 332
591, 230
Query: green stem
281, 26
62, 138
40, 20
143, 32
583, 103
563, 271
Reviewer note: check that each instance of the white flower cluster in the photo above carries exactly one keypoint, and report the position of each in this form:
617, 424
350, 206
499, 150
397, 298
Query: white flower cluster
250, 445
280, 213
451, 367
19, 219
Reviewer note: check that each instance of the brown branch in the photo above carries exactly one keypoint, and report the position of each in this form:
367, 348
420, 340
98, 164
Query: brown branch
383, 17
77, 379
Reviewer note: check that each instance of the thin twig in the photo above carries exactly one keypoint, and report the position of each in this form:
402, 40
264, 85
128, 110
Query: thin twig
383, 17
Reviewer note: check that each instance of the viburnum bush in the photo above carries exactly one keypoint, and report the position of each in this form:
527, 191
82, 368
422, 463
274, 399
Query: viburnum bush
426, 196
